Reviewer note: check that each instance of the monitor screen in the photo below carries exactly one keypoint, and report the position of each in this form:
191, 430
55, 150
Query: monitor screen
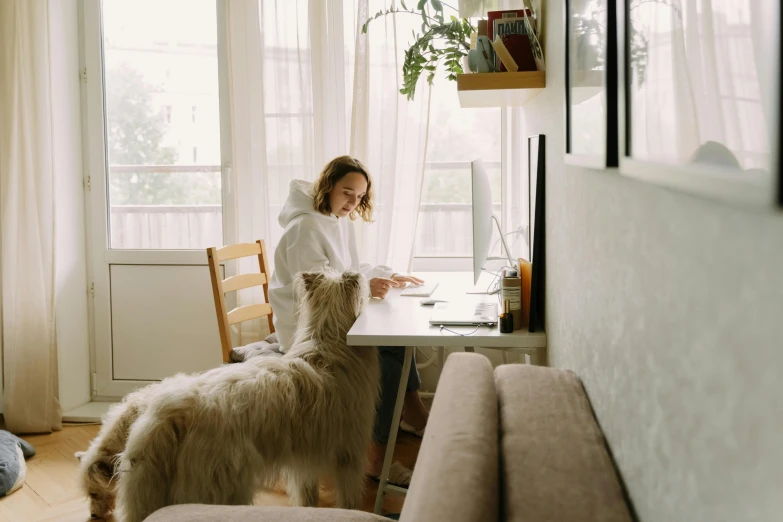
482, 216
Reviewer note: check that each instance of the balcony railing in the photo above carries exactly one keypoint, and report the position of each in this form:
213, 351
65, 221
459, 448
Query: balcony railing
171, 227
445, 229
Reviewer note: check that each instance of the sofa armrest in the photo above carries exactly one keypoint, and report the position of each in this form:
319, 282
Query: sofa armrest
555, 464
209, 513
456, 476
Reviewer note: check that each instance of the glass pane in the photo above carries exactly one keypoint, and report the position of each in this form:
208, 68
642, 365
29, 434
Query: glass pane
700, 83
457, 136
586, 72
163, 124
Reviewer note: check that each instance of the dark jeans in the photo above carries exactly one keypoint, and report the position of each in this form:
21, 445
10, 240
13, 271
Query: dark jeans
391, 358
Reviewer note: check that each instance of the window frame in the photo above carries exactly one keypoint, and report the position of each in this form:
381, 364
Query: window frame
512, 159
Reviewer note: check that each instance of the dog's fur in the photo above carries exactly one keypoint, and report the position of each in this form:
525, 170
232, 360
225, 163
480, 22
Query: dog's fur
98, 465
215, 438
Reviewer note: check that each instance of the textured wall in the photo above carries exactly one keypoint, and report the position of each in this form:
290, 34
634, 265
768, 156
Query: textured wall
670, 308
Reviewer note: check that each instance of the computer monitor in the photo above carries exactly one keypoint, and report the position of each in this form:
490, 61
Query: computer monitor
482, 218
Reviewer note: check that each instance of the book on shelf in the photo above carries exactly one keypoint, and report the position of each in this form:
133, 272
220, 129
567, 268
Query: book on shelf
512, 29
513, 13
514, 35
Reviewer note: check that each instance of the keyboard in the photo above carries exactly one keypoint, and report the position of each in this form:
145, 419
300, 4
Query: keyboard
424, 290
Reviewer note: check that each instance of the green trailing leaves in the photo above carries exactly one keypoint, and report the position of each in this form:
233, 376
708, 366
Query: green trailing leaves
441, 44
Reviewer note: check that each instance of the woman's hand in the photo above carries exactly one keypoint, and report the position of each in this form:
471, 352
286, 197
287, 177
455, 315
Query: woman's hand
379, 286
402, 279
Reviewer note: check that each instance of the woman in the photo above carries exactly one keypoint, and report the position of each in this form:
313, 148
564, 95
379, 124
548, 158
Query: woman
318, 233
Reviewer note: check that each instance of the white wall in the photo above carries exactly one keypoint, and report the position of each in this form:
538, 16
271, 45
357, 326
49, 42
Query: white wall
70, 257
670, 309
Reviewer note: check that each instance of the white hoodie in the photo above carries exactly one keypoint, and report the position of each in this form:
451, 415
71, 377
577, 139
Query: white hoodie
310, 240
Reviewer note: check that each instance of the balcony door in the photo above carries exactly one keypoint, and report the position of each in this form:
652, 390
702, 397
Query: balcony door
159, 158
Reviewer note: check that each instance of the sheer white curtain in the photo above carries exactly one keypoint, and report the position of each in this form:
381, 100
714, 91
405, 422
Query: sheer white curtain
306, 86
391, 134
30, 392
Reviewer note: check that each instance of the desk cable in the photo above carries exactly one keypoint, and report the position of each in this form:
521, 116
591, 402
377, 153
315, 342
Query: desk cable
457, 333
494, 285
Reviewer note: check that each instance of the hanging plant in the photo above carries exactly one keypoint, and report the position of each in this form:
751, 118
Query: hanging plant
441, 43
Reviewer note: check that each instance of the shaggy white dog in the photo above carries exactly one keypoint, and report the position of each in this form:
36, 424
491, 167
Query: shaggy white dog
215, 438
98, 466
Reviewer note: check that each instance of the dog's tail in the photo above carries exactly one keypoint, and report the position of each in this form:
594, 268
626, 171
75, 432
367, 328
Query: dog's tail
147, 467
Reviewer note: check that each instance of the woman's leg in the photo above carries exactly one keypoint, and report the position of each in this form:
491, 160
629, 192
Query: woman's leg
391, 360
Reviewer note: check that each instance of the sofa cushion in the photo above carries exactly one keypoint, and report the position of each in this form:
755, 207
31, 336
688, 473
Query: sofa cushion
208, 513
456, 474
555, 465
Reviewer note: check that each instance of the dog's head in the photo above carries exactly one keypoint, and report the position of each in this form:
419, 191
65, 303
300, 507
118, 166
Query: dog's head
328, 294
97, 482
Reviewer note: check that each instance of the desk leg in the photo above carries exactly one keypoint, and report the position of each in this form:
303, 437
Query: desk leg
387, 459
538, 357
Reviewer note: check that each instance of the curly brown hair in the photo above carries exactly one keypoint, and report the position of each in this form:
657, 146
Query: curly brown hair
333, 172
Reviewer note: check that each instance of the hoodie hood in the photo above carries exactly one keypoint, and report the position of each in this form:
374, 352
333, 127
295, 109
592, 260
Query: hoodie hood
300, 201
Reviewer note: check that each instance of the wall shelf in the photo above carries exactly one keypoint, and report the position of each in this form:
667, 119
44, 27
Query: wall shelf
506, 89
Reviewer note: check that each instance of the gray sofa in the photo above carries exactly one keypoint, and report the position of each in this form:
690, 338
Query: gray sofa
518, 444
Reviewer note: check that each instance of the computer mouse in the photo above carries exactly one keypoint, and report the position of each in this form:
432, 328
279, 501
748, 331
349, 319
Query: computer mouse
431, 301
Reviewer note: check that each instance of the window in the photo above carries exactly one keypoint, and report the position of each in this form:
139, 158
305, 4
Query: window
288, 104
158, 197
457, 136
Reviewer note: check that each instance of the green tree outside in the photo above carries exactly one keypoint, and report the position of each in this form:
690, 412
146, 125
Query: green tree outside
135, 131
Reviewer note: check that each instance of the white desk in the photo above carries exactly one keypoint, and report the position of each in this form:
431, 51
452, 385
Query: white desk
401, 321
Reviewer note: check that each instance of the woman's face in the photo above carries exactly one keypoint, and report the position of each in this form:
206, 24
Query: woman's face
347, 194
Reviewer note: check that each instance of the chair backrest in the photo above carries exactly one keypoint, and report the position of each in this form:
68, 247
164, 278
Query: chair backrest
222, 286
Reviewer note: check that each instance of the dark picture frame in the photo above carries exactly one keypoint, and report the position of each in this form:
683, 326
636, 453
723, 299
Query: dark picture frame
777, 164
591, 83
713, 170
536, 154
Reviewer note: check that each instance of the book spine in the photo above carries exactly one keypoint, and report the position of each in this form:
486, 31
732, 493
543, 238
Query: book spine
526, 274
494, 15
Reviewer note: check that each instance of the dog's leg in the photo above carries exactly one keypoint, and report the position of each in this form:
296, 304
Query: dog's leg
350, 483
302, 490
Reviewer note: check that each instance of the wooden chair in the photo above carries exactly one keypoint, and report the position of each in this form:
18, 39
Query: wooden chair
231, 284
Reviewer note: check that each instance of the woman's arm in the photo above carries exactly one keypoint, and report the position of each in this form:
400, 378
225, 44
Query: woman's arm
369, 271
303, 257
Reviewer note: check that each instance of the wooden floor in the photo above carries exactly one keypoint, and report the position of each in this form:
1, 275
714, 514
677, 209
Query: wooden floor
51, 490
